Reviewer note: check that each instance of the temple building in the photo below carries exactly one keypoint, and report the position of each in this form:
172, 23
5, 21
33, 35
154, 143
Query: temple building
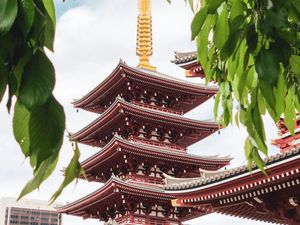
149, 177
142, 135
286, 140
272, 198
189, 62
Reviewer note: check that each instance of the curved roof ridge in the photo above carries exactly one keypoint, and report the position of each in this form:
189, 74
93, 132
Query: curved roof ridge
119, 101
173, 184
154, 74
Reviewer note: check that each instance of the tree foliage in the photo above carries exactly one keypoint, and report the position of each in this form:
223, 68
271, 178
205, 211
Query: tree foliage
251, 49
27, 27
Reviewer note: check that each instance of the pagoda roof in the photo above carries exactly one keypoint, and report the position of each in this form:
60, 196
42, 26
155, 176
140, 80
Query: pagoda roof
120, 146
121, 108
123, 73
215, 178
107, 193
182, 58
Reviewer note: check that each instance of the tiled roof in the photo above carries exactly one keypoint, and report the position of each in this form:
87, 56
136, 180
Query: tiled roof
154, 76
183, 57
162, 150
212, 177
113, 181
168, 117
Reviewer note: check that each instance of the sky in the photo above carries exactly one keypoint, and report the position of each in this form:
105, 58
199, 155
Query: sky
91, 37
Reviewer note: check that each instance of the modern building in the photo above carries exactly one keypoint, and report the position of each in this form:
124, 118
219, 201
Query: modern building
28, 212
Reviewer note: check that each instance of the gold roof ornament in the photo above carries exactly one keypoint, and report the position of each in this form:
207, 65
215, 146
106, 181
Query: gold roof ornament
144, 48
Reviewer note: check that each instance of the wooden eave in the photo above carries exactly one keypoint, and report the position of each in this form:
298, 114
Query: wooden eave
234, 195
287, 137
110, 192
239, 176
124, 73
117, 147
121, 108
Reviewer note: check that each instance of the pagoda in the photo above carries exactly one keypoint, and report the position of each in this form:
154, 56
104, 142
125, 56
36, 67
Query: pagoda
142, 135
274, 198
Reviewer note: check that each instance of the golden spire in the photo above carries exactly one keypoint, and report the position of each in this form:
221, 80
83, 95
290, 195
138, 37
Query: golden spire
144, 35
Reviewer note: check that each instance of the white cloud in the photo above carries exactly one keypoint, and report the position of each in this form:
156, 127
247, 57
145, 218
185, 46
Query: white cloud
90, 40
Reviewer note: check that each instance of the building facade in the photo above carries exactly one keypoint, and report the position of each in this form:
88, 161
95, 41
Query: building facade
27, 212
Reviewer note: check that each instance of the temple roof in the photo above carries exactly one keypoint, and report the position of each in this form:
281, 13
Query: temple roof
121, 146
121, 108
185, 57
123, 74
218, 177
114, 186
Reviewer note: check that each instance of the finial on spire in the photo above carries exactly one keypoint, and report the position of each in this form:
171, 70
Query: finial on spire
144, 35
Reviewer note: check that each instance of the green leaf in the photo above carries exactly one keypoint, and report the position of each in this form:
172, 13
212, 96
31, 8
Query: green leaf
49, 6
221, 33
198, 22
225, 89
259, 129
296, 5
37, 81
26, 17
261, 103
289, 113
267, 67
3, 79
241, 84
258, 160
21, 127
46, 129
295, 65
49, 34
213, 5
8, 14
202, 43
248, 149
236, 118
280, 93
267, 92
230, 45
41, 174
252, 38
238, 8
216, 105
251, 78
18, 70
281, 50
72, 172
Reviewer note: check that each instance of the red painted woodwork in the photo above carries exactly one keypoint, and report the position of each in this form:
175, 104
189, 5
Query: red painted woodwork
143, 136
150, 88
286, 140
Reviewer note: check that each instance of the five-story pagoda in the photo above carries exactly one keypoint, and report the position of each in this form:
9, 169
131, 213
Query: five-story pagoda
142, 135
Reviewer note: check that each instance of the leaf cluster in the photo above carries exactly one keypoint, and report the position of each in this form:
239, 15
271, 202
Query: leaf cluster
251, 49
27, 28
